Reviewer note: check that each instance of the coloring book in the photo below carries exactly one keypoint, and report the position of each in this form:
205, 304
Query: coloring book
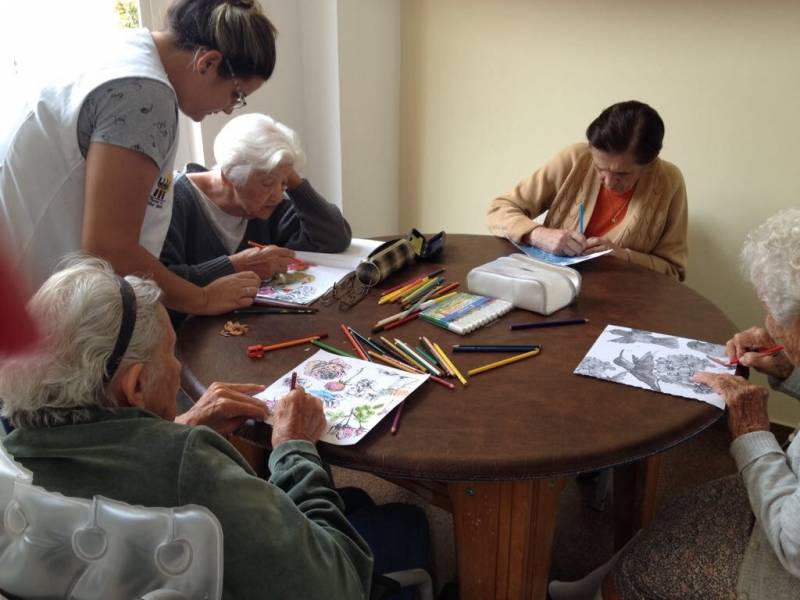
654, 361
555, 259
356, 393
321, 271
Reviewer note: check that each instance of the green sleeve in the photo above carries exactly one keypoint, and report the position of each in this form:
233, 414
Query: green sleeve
283, 538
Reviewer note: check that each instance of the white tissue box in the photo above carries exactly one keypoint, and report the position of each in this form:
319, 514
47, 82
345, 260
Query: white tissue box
526, 282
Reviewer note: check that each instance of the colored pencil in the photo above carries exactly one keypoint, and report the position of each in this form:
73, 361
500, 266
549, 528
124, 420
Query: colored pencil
395, 351
413, 353
443, 290
580, 217
407, 358
495, 348
396, 421
771, 351
418, 300
331, 349
500, 363
293, 384
289, 343
365, 341
410, 281
404, 367
393, 362
395, 317
436, 300
359, 350
403, 290
274, 310
450, 364
541, 324
402, 321
432, 351
421, 290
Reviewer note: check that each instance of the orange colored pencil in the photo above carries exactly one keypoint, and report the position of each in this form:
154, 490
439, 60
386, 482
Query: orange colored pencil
289, 343
356, 346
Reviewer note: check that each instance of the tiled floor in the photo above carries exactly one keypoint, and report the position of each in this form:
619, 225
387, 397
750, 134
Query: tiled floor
583, 538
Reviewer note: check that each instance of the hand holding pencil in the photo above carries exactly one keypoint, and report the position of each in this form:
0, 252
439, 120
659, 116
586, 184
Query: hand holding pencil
756, 348
265, 261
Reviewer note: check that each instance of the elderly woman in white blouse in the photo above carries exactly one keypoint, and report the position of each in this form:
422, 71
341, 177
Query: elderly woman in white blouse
736, 537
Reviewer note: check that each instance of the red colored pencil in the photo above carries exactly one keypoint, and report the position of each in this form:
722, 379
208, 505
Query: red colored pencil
399, 322
293, 384
356, 346
444, 289
396, 420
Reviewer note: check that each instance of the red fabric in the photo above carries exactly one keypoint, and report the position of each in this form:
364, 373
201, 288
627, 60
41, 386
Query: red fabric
17, 329
608, 212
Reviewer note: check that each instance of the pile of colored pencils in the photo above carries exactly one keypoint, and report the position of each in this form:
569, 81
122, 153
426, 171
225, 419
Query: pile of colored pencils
414, 296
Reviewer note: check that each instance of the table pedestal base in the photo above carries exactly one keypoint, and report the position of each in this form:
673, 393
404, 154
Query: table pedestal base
504, 532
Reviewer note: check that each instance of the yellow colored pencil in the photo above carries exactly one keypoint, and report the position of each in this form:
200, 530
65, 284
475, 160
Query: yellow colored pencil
450, 364
505, 361
403, 290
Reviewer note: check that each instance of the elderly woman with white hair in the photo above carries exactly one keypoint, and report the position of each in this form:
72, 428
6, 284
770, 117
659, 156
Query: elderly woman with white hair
253, 194
738, 536
94, 413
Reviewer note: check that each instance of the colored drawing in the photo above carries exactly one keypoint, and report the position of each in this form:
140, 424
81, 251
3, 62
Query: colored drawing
662, 363
356, 394
301, 286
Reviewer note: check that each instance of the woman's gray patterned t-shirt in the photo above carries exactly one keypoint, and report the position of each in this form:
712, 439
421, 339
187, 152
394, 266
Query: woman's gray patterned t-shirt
134, 112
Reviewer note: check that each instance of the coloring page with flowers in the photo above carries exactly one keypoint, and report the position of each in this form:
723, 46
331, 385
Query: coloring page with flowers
356, 393
662, 363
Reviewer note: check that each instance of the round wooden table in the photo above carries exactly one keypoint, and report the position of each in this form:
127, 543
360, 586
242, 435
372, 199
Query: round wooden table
497, 452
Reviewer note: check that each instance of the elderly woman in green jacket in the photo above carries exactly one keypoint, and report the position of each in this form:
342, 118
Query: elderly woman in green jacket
736, 537
95, 415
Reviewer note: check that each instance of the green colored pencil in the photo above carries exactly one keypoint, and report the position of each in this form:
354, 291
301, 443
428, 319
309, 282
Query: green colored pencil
331, 349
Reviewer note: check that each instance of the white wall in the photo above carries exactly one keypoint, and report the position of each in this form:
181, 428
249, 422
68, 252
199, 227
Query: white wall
369, 67
337, 83
492, 89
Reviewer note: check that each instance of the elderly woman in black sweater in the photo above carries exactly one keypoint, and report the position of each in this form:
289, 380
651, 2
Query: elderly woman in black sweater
254, 194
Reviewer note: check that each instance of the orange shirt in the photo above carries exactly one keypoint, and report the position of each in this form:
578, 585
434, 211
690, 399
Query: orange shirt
609, 210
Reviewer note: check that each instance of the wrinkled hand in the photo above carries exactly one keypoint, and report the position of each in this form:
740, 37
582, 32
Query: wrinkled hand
599, 244
293, 180
225, 407
227, 293
557, 241
742, 344
265, 262
298, 416
747, 403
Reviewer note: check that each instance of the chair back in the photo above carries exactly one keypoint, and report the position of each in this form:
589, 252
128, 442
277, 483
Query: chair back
54, 546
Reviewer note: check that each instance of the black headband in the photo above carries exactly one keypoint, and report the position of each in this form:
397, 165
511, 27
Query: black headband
125, 327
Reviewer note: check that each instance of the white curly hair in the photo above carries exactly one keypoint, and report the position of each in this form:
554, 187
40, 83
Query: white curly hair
79, 311
256, 142
771, 259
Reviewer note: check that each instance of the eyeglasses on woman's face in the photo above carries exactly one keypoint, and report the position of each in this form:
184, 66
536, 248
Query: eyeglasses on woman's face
241, 99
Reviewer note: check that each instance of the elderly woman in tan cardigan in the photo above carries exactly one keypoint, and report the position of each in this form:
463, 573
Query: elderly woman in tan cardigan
634, 203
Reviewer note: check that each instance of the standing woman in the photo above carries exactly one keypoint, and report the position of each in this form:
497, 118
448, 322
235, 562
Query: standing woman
90, 166
634, 202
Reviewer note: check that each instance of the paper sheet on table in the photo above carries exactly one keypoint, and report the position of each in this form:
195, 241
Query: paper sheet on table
356, 393
659, 362
555, 259
306, 285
